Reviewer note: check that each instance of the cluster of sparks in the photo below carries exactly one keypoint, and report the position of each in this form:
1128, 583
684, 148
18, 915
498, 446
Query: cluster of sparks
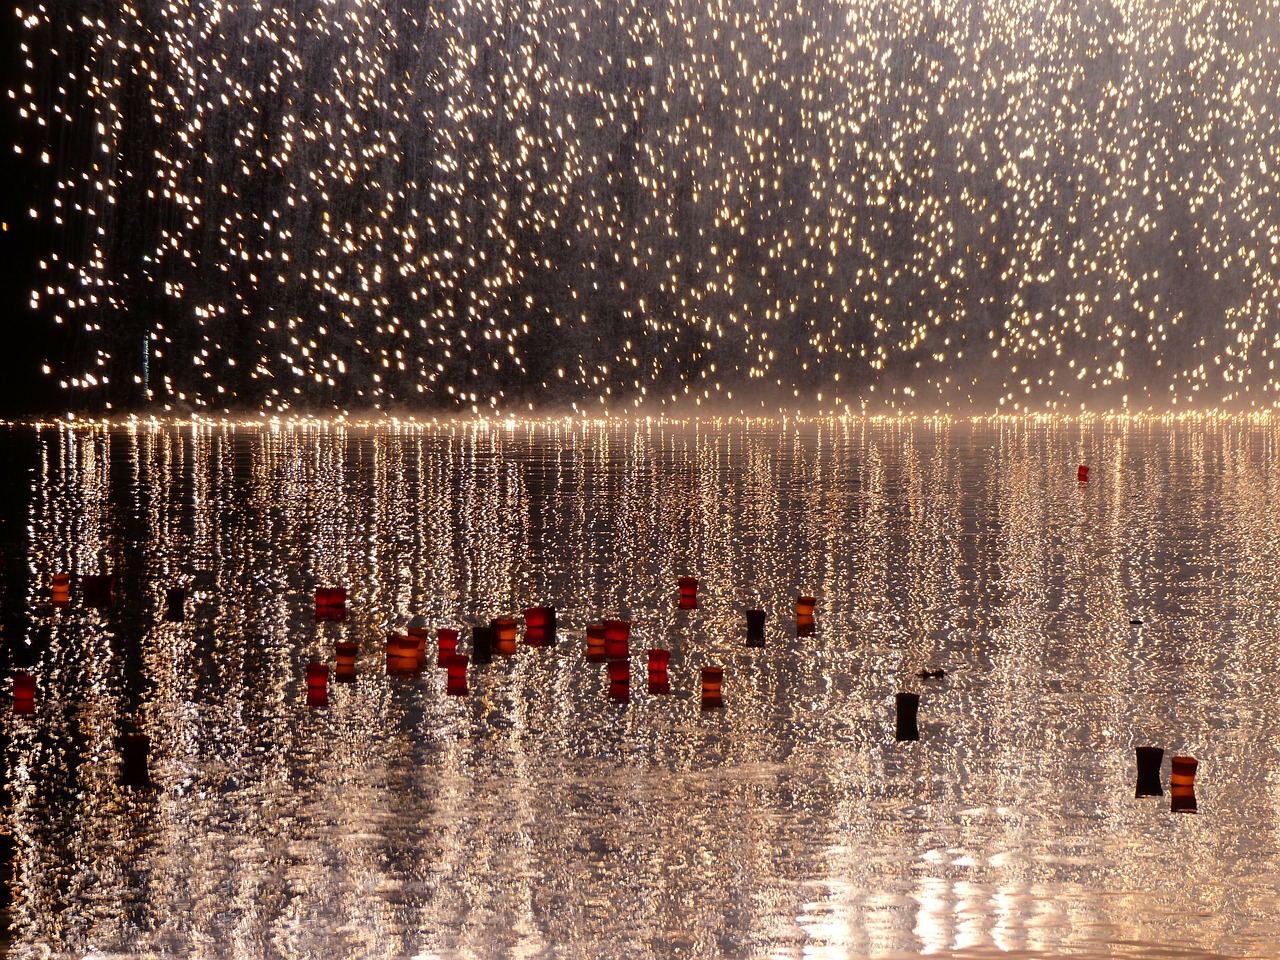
493, 204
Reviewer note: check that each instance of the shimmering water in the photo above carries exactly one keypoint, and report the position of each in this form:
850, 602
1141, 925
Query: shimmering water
535, 817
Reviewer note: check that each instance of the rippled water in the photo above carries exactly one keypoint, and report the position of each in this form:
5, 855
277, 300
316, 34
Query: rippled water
535, 817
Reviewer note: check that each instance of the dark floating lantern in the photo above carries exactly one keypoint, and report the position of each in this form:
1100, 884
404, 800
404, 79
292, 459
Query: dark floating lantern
456, 665
659, 681
446, 645
805, 624
402, 654
617, 645
908, 706
482, 642
688, 593
344, 654
317, 684
60, 589
135, 751
1182, 785
540, 626
504, 630
175, 605
24, 693
755, 628
620, 680
331, 604
1149, 760
712, 687
1082, 474
595, 642
98, 590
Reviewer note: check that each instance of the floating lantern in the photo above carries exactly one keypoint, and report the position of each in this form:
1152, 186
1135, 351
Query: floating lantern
504, 631
60, 589
98, 590
417, 632
595, 642
659, 682
1082, 474
402, 654
688, 593
804, 616
456, 664
175, 605
344, 654
540, 626
331, 604
1149, 760
616, 639
755, 628
1182, 785
908, 705
317, 684
446, 644
712, 687
620, 680
24, 693
482, 641
135, 749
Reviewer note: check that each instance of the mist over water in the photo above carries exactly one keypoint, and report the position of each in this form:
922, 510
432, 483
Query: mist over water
751, 205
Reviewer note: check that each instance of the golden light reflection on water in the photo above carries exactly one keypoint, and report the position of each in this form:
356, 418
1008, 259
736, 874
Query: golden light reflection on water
536, 817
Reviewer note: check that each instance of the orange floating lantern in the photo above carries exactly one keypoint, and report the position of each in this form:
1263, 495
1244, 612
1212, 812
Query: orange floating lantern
688, 593
98, 590
331, 604
620, 680
60, 589
135, 750
595, 642
908, 706
456, 664
659, 682
755, 628
175, 605
317, 684
446, 644
1082, 474
24, 694
1182, 785
617, 644
417, 632
344, 667
804, 616
1149, 760
402, 654
712, 687
504, 630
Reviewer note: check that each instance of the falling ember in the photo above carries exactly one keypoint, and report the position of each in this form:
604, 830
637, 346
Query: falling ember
749, 205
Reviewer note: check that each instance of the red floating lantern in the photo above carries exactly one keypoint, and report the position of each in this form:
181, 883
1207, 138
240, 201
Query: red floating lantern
540, 626
688, 593
505, 629
620, 680
24, 693
344, 668
446, 644
617, 635
1182, 785
331, 604
60, 589
659, 682
98, 590
317, 684
456, 664
1082, 474
595, 642
402, 654
712, 687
